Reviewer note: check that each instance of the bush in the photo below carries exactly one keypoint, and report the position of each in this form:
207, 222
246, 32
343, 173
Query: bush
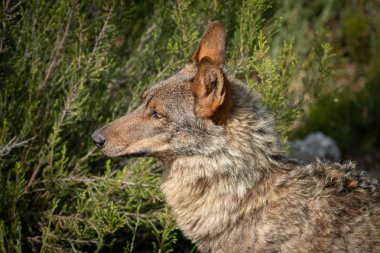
69, 66
352, 118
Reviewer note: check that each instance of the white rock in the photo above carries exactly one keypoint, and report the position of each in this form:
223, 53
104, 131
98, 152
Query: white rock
315, 146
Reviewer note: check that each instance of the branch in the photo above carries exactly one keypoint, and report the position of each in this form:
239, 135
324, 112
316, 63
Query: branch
13, 143
57, 49
94, 180
100, 37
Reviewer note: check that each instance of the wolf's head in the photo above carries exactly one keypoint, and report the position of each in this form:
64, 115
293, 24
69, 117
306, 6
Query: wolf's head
180, 115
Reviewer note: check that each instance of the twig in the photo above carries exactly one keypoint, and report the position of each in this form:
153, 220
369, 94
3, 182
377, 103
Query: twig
56, 52
34, 175
241, 50
13, 143
100, 37
38, 240
4, 23
84, 158
93, 180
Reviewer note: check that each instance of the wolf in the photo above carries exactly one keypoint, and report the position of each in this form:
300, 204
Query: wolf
227, 181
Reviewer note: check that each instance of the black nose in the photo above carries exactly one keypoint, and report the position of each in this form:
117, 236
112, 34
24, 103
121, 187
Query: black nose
98, 139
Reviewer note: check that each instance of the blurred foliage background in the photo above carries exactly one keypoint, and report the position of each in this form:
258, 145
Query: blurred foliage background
68, 67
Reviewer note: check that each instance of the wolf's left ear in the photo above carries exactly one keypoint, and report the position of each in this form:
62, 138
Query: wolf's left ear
212, 45
212, 92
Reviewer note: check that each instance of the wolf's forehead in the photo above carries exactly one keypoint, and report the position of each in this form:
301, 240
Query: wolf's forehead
185, 75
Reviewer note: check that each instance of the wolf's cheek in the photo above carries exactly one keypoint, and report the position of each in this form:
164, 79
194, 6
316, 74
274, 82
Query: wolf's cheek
151, 146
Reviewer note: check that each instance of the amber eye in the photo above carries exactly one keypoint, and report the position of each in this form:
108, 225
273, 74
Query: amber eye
156, 115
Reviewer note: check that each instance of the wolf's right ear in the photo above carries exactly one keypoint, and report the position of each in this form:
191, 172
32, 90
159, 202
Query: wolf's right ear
212, 92
212, 45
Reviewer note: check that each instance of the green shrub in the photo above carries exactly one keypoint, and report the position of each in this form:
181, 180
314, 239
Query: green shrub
349, 113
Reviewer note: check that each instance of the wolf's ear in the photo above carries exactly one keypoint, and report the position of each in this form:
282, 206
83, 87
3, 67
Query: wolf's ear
212, 92
212, 45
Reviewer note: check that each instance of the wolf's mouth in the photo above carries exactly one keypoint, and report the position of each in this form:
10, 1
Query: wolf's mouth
136, 154
119, 152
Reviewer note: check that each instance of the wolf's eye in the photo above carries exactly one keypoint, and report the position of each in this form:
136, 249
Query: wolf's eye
156, 115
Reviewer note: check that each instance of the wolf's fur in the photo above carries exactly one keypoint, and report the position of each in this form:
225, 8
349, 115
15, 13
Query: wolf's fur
227, 182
